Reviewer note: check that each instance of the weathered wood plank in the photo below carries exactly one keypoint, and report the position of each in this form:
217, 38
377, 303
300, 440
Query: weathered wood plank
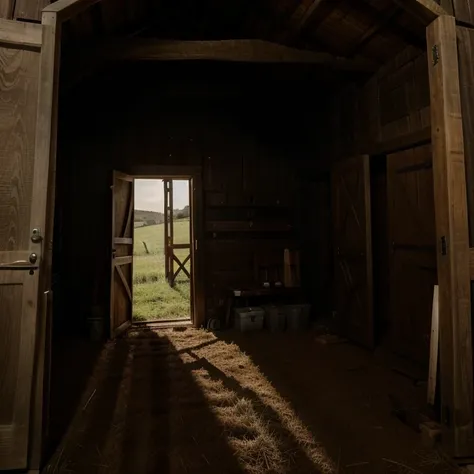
453, 239
464, 11
27, 35
29, 9
6, 9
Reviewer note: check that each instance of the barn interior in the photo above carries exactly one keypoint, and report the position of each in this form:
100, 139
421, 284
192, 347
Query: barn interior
313, 135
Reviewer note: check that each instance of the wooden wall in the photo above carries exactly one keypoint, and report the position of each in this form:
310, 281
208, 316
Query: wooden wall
389, 111
249, 143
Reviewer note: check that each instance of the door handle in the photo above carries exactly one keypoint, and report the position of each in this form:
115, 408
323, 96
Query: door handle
18, 265
21, 264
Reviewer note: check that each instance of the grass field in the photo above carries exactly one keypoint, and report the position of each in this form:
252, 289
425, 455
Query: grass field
153, 298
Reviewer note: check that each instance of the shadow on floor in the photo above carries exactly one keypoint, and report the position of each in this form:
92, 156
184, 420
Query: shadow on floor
143, 413
343, 396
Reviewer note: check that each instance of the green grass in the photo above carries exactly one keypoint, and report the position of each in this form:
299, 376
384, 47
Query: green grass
153, 298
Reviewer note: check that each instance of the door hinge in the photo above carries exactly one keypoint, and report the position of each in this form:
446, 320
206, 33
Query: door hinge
444, 246
435, 54
195, 245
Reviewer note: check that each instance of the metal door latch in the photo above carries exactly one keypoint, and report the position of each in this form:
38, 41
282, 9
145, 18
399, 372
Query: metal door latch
435, 54
36, 236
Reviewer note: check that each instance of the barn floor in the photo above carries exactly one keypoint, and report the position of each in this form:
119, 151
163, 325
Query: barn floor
188, 401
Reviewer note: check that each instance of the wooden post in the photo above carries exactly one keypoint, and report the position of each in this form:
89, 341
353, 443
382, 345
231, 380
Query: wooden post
453, 239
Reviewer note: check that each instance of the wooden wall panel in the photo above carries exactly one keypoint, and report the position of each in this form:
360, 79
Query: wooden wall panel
6, 9
29, 9
392, 105
464, 11
19, 91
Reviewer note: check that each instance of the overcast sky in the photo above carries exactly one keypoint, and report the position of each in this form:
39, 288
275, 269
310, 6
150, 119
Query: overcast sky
149, 194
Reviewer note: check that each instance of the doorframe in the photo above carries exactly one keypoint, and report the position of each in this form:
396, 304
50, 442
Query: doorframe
194, 175
452, 215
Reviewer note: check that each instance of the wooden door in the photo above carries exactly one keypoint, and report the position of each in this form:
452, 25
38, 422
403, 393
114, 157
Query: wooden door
121, 287
353, 249
198, 306
27, 161
412, 240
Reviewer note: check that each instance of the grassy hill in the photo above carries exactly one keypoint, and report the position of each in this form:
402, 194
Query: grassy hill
144, 216
153, 298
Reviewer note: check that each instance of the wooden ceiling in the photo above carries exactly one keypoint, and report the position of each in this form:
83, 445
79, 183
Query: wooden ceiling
372, 29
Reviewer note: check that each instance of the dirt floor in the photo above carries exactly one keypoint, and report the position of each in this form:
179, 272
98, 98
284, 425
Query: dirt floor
189, 401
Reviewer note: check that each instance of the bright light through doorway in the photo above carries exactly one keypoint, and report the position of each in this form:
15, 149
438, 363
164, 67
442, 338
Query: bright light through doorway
154, 297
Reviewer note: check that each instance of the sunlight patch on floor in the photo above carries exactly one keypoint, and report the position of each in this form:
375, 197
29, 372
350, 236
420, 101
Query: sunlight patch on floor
261, 427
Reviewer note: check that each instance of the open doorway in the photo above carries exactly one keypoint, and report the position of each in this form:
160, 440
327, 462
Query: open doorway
162, 263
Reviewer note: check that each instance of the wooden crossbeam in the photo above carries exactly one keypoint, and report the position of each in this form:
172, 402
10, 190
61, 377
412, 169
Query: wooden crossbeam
181, 266
89, 60
256, 51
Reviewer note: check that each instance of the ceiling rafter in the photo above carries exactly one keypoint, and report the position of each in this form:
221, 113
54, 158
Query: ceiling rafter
376, 28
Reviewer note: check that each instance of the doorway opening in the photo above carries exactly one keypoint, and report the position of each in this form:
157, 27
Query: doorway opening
163, 260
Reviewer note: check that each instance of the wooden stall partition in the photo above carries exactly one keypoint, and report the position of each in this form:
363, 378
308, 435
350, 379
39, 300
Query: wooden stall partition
452, 239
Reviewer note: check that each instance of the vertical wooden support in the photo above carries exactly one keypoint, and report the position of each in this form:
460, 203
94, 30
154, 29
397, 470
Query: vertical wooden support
169, 231
453, 239
45, 152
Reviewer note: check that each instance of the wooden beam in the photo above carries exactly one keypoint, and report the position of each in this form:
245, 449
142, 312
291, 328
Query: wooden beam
66, 9
19, 33
453, 239
255, 51
300, 18
42, 212
425, 10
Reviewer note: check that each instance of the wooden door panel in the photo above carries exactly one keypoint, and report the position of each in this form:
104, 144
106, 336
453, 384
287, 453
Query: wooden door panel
26, 159
413, 250
18, 303
353, 249
121, 288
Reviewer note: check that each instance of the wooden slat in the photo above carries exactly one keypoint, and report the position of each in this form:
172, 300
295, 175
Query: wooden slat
425, 10
453, 240
124, 281
29, 9
464, 11
66, 9
181, 246
6, 9
19, 33
123, 241
123, 260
